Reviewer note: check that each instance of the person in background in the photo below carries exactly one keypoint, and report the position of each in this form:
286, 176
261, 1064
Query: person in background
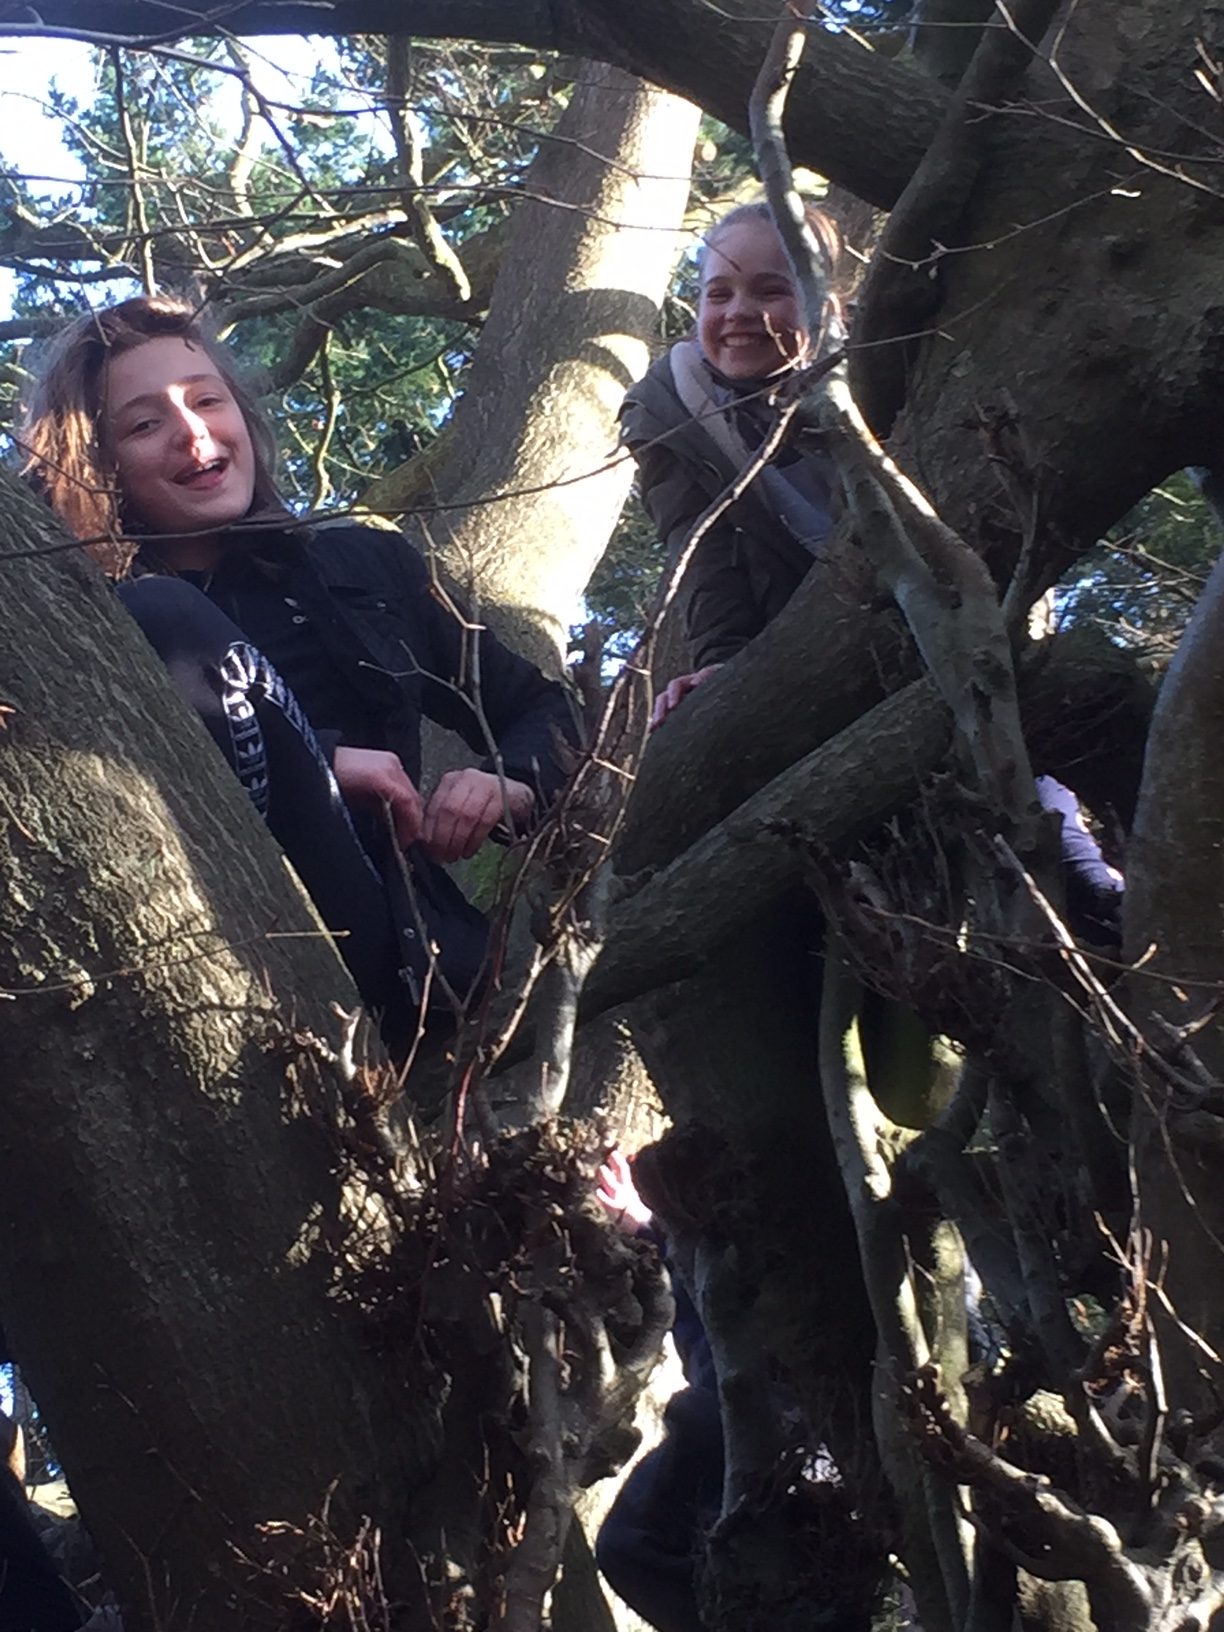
699, 415
34, 1597
649, 1543
694, 422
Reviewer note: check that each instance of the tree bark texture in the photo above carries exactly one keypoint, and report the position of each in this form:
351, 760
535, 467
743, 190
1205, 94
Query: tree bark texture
1175, 922
170, 1229
1085, 708
945, 34
749, 1192
1078, 281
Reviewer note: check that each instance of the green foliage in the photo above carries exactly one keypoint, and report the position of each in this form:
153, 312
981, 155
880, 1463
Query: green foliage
1141, 582
195, 182
624, 584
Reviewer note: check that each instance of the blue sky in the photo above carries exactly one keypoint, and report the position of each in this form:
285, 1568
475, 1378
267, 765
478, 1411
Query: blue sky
30, 138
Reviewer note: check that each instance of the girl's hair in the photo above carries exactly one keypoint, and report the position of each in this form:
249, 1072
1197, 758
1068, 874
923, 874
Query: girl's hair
823, 227
69, 458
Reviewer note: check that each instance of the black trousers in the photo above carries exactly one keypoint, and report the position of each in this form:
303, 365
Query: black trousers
33, 1596
648, 1545
257, 723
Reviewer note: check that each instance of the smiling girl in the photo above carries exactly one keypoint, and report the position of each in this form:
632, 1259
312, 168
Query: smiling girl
309, 652
694, 422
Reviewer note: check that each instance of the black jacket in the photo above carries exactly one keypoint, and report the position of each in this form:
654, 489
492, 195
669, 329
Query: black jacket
402, 648
411, 650
748, 565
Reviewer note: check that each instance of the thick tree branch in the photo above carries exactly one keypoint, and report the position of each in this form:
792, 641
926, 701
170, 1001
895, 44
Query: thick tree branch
948, 600
410, 152
404, 287
298, 274
705, 53
577, 940
679, 917
861, 1137
945, 34
1174, 930
1072, 1545
669, 926
936, 1161
942, 588
901, 293
867, 1146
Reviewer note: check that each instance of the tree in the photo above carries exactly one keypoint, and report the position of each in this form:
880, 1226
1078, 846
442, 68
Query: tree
1044, 350
626, 131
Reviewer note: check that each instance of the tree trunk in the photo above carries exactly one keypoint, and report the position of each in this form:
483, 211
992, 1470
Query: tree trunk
748, 1190
1100, 271
1173, 923
533, 447
172, 1226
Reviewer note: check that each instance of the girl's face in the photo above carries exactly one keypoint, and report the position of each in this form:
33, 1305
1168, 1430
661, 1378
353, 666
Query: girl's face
748, 320
182, 449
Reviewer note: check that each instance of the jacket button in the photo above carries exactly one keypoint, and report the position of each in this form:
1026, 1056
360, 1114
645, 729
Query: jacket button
297, 618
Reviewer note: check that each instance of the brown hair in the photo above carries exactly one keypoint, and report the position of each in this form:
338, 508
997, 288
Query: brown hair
68, 456
823, 228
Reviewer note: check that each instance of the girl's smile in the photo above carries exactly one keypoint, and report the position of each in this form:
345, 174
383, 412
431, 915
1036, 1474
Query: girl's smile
748, 321
182, 451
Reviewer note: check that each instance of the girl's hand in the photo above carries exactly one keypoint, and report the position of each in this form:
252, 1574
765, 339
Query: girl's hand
464, 809
617, 1194
370, 776
667, 701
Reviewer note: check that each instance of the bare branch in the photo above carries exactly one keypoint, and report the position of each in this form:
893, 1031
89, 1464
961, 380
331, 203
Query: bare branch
331, 412
575, 942
409, 148
136, 197
246, 149
1061, 1542
708, 53
941, 586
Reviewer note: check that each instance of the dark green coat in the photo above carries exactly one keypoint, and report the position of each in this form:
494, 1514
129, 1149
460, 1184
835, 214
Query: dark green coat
749, 564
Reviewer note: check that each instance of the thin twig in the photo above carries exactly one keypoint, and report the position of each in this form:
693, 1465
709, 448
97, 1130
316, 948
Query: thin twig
139, 208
